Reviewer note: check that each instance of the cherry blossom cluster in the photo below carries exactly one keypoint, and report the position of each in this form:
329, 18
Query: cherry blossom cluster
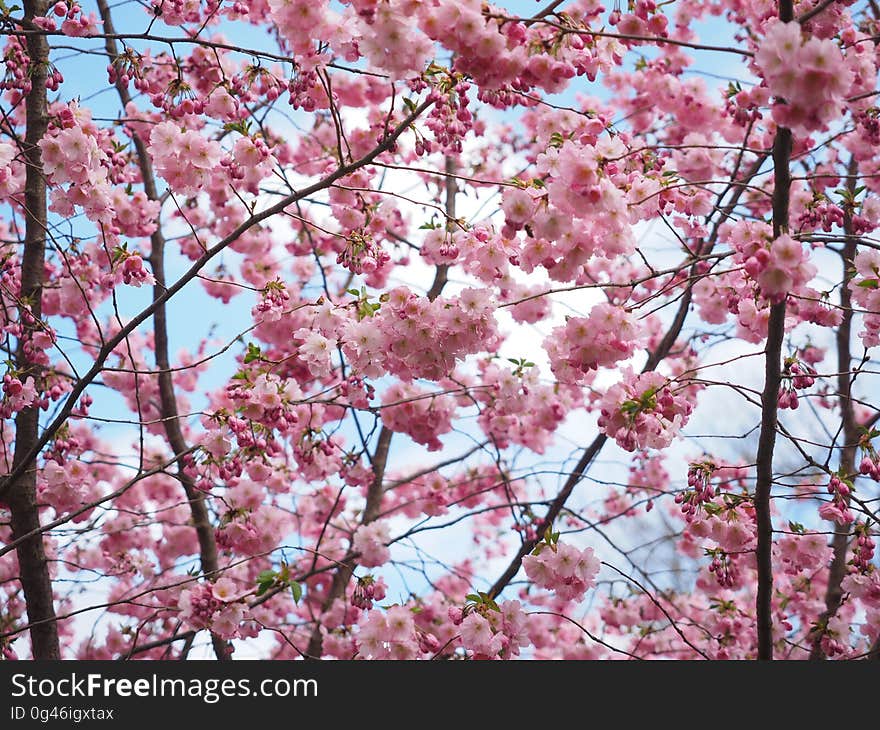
216, 607
449, 119
837, 508
18, 394
869, 465
68, 487
74, 154
250, 528
362, 254
808, 74
518, 408
723, 568
186, 159
702, 491
606, 336
370, 541
492, 631
644, 411
802, 553
863, 550
366, 590
779, 267
11, 172
390, 39
732, 528
75, 22
389, 634
798, 376
563, 568
16, 77
400, 338
179, 12
423, 416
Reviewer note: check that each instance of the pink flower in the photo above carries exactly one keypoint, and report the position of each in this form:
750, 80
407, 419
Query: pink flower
227, 620
197, 606
315, 350
17, 395
477, 634
608, 335
227, 590
809, 77
388, 634
186, 159
217, 443
644, 411
518, 206
564, 569
409, 409
84, 25
369, 541
836, 511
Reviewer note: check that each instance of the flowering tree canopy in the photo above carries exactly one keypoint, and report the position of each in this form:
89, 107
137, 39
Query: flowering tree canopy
440, 329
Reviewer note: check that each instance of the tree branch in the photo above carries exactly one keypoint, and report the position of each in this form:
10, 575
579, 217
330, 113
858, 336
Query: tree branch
22, 487
770, 394
818, 8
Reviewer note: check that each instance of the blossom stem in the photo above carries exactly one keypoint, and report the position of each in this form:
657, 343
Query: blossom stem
770, 395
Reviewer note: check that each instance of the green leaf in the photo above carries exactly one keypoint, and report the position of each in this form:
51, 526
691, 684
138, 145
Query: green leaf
120, 253
253, 353
266, 576
242, 128
296, 591
557, 140
869, 284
